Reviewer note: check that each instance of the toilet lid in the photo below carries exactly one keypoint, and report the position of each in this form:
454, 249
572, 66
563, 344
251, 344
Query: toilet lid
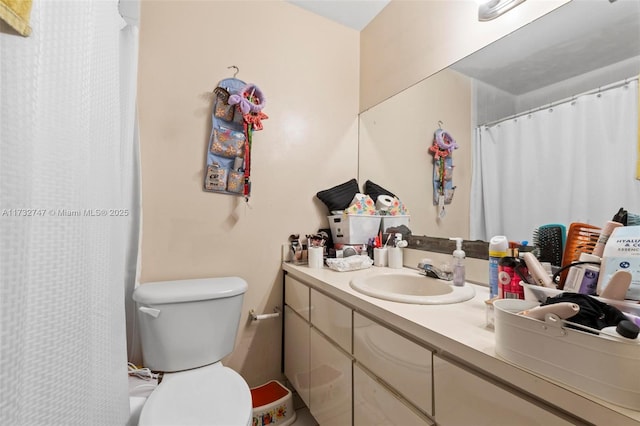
211, 395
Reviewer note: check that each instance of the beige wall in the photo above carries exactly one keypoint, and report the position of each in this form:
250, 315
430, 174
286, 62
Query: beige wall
395, 137
308, 69
413, 39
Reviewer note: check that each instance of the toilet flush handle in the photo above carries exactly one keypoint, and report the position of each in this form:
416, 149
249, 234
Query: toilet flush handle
149, 311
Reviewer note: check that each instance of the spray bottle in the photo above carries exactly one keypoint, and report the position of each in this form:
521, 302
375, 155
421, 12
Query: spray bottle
497, 249
458, 263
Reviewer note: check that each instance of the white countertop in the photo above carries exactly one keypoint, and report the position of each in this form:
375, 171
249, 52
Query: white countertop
459, 331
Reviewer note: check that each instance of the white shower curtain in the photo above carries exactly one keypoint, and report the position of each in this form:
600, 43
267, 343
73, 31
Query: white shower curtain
68, 213
574, 162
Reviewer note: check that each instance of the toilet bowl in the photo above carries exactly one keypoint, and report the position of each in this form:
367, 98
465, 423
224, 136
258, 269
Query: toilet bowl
186, 328
211, 395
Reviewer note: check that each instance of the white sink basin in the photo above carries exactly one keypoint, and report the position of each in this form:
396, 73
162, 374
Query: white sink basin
408, 288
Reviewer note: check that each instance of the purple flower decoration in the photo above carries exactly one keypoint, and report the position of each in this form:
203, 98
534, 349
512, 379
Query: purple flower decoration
250, 99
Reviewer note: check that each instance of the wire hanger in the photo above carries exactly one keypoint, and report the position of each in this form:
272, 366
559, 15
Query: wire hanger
220, 90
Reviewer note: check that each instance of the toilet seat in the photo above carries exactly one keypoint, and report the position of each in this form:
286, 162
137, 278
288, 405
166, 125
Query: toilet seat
210, 395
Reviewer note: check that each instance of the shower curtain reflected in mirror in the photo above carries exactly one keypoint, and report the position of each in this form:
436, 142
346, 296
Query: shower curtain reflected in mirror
571, 162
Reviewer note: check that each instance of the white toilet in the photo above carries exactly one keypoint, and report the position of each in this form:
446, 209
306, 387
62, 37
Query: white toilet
187, 327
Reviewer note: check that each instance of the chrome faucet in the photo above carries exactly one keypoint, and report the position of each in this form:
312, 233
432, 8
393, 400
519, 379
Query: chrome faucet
429, 270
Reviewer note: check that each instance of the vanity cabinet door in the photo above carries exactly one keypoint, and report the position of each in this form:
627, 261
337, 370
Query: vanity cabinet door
330, 382
296, 352
401, 363
332, 318
462, 398
296, 295
375, 405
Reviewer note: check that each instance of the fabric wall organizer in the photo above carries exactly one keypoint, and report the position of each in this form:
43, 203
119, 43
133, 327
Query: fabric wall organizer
237, 113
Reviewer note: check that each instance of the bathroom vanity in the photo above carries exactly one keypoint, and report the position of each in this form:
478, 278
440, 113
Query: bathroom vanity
356, 359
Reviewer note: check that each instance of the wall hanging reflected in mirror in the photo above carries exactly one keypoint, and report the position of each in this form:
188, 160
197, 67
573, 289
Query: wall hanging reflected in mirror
442, 147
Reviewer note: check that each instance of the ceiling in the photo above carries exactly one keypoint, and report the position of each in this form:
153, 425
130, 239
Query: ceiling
355, 14
579, 37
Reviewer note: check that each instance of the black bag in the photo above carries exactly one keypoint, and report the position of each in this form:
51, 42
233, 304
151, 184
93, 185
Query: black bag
593, 313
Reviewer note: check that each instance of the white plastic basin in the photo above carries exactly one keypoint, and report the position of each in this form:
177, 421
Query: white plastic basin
408, 288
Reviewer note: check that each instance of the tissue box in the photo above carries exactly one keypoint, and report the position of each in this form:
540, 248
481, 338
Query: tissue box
353, 228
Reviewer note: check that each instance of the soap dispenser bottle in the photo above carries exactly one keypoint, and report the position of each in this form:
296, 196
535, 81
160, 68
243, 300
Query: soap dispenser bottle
458, 263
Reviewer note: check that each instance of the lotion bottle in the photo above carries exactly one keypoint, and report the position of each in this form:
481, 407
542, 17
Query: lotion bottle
458, 263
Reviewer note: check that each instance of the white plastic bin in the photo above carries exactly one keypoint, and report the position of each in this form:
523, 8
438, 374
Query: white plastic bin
601, 366
389, 221
353, 228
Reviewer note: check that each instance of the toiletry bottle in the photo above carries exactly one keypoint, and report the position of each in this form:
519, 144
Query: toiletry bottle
497, 249
458, 263
395, 252
522, 270
605, 233
508, 278
583, 278
625, 330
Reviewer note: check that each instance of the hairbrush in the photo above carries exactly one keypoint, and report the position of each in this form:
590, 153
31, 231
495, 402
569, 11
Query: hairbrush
549, 241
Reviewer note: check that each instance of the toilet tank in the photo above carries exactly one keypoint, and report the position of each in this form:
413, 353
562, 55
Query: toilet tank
187, 324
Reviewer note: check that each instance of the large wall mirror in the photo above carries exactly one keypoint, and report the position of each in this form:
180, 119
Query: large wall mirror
580, 46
